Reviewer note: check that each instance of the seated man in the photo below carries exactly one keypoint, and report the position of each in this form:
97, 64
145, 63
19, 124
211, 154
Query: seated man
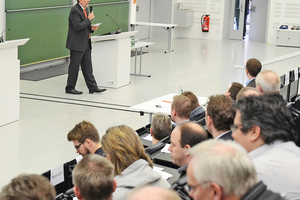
161, 127
85, 138
28, 187
268, 82
183, 137
93, 178
233, 90
246, 92
253, 67
264, 126
180, 109
222, 170
219, 116
197, 112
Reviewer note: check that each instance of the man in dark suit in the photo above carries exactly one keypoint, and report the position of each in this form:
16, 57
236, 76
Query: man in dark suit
253, 67
220, 114
79, 43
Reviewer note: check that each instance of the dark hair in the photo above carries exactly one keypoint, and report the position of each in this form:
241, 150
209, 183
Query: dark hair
182, 105
193, 98
253, 66
270, 114
82, 131
221, 111
234, 89
191, 134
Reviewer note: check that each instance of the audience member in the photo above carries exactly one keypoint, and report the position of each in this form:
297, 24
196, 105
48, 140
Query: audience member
85, 138
264, 126
183, 137
222, 170
268, 82
253, 67
197, 111
28, 187
133, 167
152, 192
161, 127
180, 109
219, 116
246, 92
233, 90
93, 178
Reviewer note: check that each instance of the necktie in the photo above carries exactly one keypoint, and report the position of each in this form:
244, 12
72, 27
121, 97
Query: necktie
86, 17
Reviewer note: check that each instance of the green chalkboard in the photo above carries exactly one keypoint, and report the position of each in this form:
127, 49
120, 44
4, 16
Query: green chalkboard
47, 29
26, 4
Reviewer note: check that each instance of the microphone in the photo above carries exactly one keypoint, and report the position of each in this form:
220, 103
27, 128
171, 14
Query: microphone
91, 9
1, 38
119, 30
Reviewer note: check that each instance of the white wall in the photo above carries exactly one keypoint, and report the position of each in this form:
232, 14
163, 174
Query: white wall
218, 13
281, 12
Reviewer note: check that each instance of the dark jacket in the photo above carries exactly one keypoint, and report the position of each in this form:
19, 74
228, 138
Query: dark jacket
259, 192
79, 29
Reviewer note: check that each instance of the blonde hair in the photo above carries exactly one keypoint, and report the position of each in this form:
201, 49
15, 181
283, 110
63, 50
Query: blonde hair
124, 147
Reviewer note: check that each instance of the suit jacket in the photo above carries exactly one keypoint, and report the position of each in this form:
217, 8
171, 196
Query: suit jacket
79, 30
227, 136
252, 84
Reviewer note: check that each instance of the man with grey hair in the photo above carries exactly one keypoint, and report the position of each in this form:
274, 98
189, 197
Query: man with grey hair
180, 109
161, 127
222, 170
268, 82
93, 178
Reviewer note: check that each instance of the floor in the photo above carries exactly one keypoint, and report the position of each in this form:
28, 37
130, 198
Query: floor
38, 141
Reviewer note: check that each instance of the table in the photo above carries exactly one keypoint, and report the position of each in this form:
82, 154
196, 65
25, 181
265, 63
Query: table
160, 104
136, 46
168, 27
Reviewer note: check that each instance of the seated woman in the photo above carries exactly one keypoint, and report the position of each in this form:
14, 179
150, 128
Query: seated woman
133, 167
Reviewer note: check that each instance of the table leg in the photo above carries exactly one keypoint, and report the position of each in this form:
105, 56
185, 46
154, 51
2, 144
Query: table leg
169, 29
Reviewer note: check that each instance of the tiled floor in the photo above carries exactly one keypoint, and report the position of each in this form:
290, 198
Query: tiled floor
38, 141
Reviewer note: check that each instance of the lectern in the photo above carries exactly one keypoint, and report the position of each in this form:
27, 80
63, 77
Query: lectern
111, 59
10, 81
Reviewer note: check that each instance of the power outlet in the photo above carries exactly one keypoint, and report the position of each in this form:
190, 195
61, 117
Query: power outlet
110, 82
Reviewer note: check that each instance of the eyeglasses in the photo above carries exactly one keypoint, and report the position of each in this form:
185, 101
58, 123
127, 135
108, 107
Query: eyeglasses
233, 127
189, 188
76, 147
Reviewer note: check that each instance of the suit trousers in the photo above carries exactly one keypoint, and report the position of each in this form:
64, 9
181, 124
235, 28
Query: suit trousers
84, 59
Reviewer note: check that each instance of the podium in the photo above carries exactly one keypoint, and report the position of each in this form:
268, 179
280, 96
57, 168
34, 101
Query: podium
111, 59
10, 81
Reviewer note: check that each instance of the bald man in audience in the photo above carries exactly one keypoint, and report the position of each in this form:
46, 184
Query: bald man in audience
180, 109
184, 137
246, 92
219, 116
253, 68
152, 192
161, 127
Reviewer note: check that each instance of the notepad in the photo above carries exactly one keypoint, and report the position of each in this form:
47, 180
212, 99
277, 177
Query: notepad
98, 24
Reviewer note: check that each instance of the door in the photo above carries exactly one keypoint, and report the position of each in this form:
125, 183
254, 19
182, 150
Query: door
237, 19
143, 15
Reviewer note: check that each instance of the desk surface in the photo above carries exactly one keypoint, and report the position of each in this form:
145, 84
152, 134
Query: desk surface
161, 104
154, 24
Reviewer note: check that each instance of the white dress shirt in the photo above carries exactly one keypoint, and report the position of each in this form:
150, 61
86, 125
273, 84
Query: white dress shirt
278, 166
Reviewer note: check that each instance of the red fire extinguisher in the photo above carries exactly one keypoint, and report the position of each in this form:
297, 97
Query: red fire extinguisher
205, 23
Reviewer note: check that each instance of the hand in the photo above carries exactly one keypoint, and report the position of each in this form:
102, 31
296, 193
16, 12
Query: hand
94, 28
91, 16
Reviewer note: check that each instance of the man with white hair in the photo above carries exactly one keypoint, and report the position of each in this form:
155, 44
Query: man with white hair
268, 83
222, 170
